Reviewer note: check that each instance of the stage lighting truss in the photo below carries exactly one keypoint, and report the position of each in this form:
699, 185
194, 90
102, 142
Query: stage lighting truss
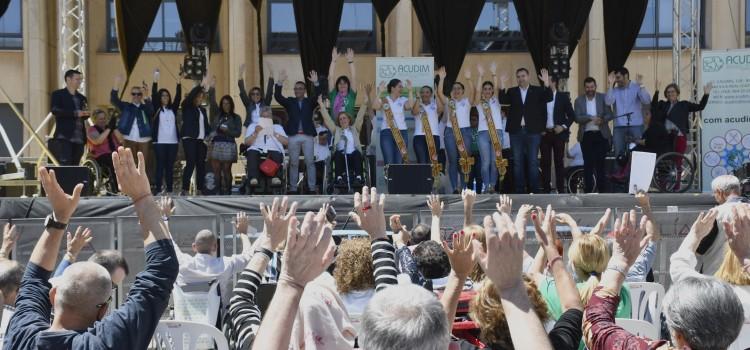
195, 64
72, 38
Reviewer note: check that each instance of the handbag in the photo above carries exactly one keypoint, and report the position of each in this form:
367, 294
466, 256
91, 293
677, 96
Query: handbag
269, 167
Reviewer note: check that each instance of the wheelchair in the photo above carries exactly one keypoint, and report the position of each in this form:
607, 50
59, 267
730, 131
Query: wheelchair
100, 177
350, 185
575, 178
264, 187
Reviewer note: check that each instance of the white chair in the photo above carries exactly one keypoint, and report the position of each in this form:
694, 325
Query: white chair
184, 335
198, 302
743, 340
646, 299
638, 327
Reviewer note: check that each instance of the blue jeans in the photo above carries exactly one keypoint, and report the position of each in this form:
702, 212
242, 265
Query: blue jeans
622, 134
453, 155
487, 157
525, 147
421, 150
391, 154
166, 154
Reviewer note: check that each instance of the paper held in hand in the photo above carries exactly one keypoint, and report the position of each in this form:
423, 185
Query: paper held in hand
267, 125
641, 171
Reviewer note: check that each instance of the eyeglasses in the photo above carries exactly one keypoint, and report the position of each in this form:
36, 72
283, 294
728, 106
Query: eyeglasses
136, 94
99, 306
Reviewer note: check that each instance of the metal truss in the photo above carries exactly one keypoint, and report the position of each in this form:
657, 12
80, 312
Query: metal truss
71, 15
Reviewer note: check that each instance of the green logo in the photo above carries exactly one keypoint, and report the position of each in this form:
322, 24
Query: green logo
712, 64
388, 71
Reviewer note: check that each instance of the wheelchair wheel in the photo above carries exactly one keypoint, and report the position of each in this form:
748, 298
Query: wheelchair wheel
97, 185
576, 176
674, 173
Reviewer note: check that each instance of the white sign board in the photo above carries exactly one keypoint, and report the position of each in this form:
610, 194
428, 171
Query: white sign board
725, 131
420, 71
641, 171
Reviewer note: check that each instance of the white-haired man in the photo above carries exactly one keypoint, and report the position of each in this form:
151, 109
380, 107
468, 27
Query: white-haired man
727, 192
80, 296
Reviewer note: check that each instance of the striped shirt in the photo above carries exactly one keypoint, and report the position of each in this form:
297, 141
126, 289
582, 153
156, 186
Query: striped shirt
383, 263
243, 318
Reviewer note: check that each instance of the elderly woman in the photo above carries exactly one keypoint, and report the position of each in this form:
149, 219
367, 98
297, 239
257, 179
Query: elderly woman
700, 312
269, 143
354, 274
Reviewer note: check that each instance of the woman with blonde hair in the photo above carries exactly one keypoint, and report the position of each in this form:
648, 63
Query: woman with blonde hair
354, 274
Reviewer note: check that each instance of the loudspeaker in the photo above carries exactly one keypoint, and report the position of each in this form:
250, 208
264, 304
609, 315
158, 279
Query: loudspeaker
409, 178
69, 176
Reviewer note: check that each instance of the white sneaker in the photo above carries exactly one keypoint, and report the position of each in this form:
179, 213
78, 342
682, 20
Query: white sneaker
253, 182
276, 181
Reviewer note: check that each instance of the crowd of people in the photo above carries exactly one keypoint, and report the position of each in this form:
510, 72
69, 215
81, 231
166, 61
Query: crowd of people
475, 130
398, 290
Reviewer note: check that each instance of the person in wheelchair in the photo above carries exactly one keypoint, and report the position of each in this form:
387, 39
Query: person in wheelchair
269, 143
655, 139
102, 142
346, 140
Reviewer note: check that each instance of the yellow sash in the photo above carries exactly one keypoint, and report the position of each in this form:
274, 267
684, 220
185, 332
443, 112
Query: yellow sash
500, 163
464, 161
431, 149
395, 131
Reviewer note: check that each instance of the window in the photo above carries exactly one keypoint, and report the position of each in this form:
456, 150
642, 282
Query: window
11, 37
12, 126
356, 30
656, 29
165, 35
498, 28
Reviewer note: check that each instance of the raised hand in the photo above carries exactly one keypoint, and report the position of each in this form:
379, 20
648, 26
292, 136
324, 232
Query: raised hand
468, 197
156, 75
505, 205
503, 80
320, 101
546, 232
212, 81
643, 200
629, 240
118, 81
166, 208
467, 74
738, 233
77, 241
435, 205
132, 180
63, 205
241, 223
10, 237
395, 223
493, 68
349, 55
460, 256
277, 220
381, 88
408, 85
441, 73
309, 250
544, 76
601, 225
282, 76
708, 87
368, 212
639, 79
565, 218
241, 72
480, 69
368, 90
503, 260
611, 78
334, 54
703, 224
313, 77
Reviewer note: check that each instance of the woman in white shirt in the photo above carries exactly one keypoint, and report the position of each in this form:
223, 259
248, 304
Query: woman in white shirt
487, 152
264, 142
397, 105
164, 132
463, 107
433, 109
346, 139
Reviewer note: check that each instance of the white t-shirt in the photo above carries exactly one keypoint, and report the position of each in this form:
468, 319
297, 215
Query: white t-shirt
255, 115
591, 110
523, 100
201, 127
463, 107
266, 143
348, 144
397, 107
432, 118
551, 111
575, 151
135, 132
497, 115
167, 127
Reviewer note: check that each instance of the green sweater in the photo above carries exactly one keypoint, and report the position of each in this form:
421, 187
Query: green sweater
349, 103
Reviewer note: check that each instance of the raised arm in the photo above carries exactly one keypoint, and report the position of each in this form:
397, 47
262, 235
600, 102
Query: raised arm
360, 119
177, 98
609, 98
470, 94
241, 84
478, 86
461, 265
155, 98
332, 69
352, 69
436, 208
10, 237
277, 94
468, 197
327, 120
683, 262
114, 97
411, 102
692, 107
76, 242
377, 101
369, 216
441, 85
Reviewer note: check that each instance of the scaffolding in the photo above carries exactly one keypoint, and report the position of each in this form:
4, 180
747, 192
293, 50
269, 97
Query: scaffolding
686, 45
72, 38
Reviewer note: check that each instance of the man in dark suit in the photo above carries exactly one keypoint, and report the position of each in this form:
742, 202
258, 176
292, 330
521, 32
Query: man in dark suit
527, 118
300, 127
560, 116
593, 116
195, 129
70, 109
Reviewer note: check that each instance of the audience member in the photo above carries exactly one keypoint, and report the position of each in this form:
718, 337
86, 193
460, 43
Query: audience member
354, 274
70, 109
102, 142
11, 273
727, 192
80, 296
165, 134
110, 259
135, 118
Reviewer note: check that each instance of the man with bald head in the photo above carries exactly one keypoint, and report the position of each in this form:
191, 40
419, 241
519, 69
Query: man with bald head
80, 296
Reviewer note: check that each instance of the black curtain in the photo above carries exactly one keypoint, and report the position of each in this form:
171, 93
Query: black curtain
537, 17
134, 20
192, 12
317, 29
448, 26
622, 22
4, 7
383, 8
258, 4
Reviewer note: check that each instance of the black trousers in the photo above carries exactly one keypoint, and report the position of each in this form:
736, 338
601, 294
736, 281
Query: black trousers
594, 147
355, 163
253, 162
195, 159
551, 143
66, 152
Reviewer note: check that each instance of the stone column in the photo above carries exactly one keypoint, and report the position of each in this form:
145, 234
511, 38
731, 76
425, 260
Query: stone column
37, 52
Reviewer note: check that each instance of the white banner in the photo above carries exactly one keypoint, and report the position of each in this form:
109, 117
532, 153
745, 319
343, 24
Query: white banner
421, 72
725, 131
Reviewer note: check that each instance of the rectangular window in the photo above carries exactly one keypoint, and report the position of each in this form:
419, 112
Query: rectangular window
166, 32
11, 27
356, 30
656, 29
498, 29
